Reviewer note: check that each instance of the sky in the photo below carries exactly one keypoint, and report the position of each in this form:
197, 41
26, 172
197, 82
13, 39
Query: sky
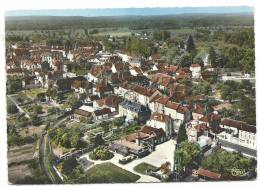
130, 11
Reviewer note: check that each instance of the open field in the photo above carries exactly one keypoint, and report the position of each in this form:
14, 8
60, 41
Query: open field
119, 32
110, 173
20, 153
18, 172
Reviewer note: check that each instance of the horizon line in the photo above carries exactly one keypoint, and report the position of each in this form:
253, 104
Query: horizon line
151, 11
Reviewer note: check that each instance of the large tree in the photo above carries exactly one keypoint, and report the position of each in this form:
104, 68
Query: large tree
190, 46
182, 134
212, 57
225, 163
185, 60
188, 155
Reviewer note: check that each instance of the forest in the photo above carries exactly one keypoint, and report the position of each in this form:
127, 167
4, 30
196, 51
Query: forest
132, 22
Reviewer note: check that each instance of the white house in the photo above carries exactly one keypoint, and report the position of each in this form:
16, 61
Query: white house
239, 132
162, 121
195, 70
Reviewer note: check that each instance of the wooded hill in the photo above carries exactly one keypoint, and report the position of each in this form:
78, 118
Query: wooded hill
132, 22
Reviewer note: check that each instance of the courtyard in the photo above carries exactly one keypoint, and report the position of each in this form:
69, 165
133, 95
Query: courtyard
163, 153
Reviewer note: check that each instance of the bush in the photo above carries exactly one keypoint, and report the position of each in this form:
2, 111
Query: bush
53, 110
101, 153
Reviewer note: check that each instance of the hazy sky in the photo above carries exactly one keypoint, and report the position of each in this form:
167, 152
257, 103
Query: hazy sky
130, 11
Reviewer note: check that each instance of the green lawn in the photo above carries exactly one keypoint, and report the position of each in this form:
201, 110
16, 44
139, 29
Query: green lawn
110, 173
141, 168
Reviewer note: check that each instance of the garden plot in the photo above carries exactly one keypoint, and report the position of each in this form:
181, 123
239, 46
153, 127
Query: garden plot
21, 153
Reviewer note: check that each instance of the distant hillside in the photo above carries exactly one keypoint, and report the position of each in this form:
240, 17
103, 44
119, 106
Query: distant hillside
133, 22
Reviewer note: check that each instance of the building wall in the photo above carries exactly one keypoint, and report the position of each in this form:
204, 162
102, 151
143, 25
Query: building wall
196, 116
192, 134
247, 139
167, 127
170, 112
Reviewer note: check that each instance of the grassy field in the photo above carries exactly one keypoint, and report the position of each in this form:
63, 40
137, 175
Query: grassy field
110, 173
124, 31
182, 31
141, 168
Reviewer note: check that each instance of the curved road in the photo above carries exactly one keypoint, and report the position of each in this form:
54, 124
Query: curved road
44, 148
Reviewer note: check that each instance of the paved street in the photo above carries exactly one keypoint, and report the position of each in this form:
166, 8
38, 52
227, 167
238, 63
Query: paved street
164, 152
236, 147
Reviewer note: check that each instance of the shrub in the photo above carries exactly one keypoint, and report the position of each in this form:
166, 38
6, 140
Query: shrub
101, 153
11, 108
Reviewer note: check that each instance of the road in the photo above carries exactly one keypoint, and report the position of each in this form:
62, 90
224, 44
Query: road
238, 148
45, 162
44, 148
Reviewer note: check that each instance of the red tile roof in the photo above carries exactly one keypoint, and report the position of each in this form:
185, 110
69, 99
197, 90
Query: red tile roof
144, 90
103, 86
132, 137
209, 174
239, 125
201, 127
182, 109
111, 101
199, 109
102, 111
210, 118
195, 65
160, 117
150, 130
172, 105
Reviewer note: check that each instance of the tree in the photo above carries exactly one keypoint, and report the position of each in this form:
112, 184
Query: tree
225, 162
86, 32
22, 120
14, 85
188, 155
139, 47
185, 60
52, 93
99, 140
35, 120
117, 123
213, 57
73, 101
182, 46
53, 110
68, 165
199, 60
105, 126
247, 109
182, 134
101, 153
37, 109
190, 46
203, 87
